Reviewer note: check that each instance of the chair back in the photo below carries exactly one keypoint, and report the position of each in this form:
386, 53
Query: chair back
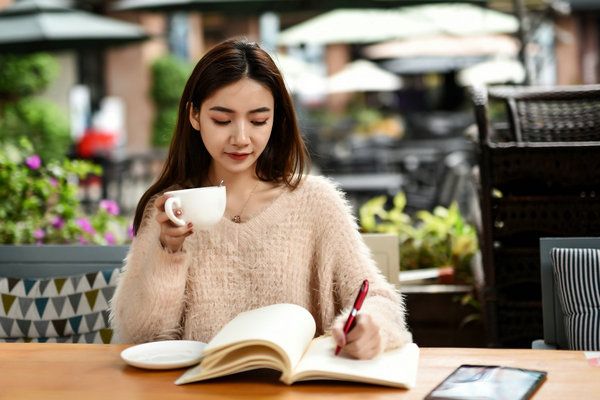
385, 250
539, 174
554, 328
551, 114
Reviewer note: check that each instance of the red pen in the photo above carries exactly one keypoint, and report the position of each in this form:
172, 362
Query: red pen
364, 288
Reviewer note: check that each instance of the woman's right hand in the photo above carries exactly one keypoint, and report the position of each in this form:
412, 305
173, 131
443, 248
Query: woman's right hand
171, 236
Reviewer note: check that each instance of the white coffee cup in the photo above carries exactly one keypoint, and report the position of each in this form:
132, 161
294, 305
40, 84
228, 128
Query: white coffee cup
204, 207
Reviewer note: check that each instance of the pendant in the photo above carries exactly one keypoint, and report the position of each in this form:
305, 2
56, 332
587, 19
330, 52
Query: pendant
237, 219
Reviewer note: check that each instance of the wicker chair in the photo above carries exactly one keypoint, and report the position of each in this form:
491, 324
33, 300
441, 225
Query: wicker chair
539, 175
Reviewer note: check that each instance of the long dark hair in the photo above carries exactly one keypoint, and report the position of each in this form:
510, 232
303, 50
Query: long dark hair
285, 157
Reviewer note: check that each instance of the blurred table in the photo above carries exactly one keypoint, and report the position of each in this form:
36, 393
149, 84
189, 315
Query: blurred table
93, 371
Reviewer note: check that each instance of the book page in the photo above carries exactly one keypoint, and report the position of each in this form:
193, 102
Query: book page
275, 336
397, 368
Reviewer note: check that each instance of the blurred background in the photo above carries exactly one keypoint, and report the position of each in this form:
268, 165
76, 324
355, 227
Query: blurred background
381, 87
383, 90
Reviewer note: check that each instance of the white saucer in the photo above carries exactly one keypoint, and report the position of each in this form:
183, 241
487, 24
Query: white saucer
168, 354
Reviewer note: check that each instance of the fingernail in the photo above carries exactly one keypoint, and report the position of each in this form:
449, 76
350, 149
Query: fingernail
189, 225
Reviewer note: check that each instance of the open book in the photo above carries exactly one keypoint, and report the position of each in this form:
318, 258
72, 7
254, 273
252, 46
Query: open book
280, 337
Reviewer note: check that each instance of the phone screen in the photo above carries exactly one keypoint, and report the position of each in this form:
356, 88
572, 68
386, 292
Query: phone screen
490, 382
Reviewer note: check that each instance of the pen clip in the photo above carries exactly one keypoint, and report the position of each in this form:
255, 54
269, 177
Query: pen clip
362, 293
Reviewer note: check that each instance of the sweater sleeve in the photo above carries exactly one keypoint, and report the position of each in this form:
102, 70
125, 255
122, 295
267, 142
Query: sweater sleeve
344, 253
149, 301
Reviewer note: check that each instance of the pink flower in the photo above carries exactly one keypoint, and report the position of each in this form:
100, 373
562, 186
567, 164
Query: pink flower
85, 224
83, 240
33, 162
58, 222
130, 232
39, 234
53, 181
110, 206
110, 238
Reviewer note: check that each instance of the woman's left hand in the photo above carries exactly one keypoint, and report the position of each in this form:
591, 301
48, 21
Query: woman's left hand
363, 341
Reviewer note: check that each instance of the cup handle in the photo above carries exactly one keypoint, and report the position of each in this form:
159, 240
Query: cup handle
173, 201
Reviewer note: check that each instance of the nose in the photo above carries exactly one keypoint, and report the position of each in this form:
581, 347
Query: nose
239, 136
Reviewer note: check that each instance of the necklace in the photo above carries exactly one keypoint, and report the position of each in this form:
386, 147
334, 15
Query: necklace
238, 217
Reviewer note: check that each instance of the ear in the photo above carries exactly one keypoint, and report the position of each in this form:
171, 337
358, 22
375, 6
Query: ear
194, 117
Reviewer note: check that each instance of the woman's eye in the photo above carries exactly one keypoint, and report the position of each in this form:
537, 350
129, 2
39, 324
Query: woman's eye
258, 123
218, 122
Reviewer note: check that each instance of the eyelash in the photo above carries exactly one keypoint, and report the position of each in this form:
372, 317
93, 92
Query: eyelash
255, 123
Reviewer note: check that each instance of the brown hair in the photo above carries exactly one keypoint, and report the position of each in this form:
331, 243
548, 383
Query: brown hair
285, 156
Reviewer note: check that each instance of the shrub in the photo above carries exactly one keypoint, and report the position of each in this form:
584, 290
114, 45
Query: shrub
42, 122
169, 75
25, 75
39, 202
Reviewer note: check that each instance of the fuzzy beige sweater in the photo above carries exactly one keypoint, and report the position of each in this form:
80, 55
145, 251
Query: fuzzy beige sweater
304, 248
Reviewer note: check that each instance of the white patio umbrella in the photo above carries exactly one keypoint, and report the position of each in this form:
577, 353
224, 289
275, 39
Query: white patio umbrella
300, 77
492, 72
363, 76
445, 45
47, 25
377, 25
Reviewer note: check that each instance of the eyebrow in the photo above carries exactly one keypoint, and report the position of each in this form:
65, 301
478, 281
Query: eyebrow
227, 110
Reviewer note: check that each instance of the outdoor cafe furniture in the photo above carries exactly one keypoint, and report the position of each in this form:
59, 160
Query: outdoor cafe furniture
96, 371
538, 156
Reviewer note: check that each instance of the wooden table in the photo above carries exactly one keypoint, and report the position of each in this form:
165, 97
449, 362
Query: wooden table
92, 371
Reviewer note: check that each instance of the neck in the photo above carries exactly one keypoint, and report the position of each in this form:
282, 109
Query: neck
235, 183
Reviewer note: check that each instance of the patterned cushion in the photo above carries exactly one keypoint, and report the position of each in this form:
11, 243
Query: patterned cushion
577, 279
67, 309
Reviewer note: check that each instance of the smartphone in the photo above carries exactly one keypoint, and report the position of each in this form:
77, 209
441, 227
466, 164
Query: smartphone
489, 382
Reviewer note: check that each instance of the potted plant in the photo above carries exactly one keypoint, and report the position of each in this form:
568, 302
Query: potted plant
443, 241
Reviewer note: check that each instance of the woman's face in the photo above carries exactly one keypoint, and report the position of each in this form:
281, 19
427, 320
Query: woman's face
235, 124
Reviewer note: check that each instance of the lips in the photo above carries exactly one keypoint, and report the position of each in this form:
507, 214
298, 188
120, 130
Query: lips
238, 156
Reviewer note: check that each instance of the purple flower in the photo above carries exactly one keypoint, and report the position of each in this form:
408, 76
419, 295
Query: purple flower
110, 206
83, 240
85, 224
53, 181
39, 234
33, 162
130, 232
110, 238
58, 222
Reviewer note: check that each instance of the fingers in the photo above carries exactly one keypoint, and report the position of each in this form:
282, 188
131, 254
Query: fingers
363, 341
171, 236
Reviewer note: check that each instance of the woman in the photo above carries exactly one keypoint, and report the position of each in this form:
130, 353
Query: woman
286, 237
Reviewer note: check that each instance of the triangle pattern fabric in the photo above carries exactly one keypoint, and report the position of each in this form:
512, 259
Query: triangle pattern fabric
43, 285
7, 302
25, 303
59, 283
24, 325
6, 324
52, 309
91, 319
12, 282
91, 297
75, 323
75, 281
40, 304
58, 303
91, 278
74, 299
28, 284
